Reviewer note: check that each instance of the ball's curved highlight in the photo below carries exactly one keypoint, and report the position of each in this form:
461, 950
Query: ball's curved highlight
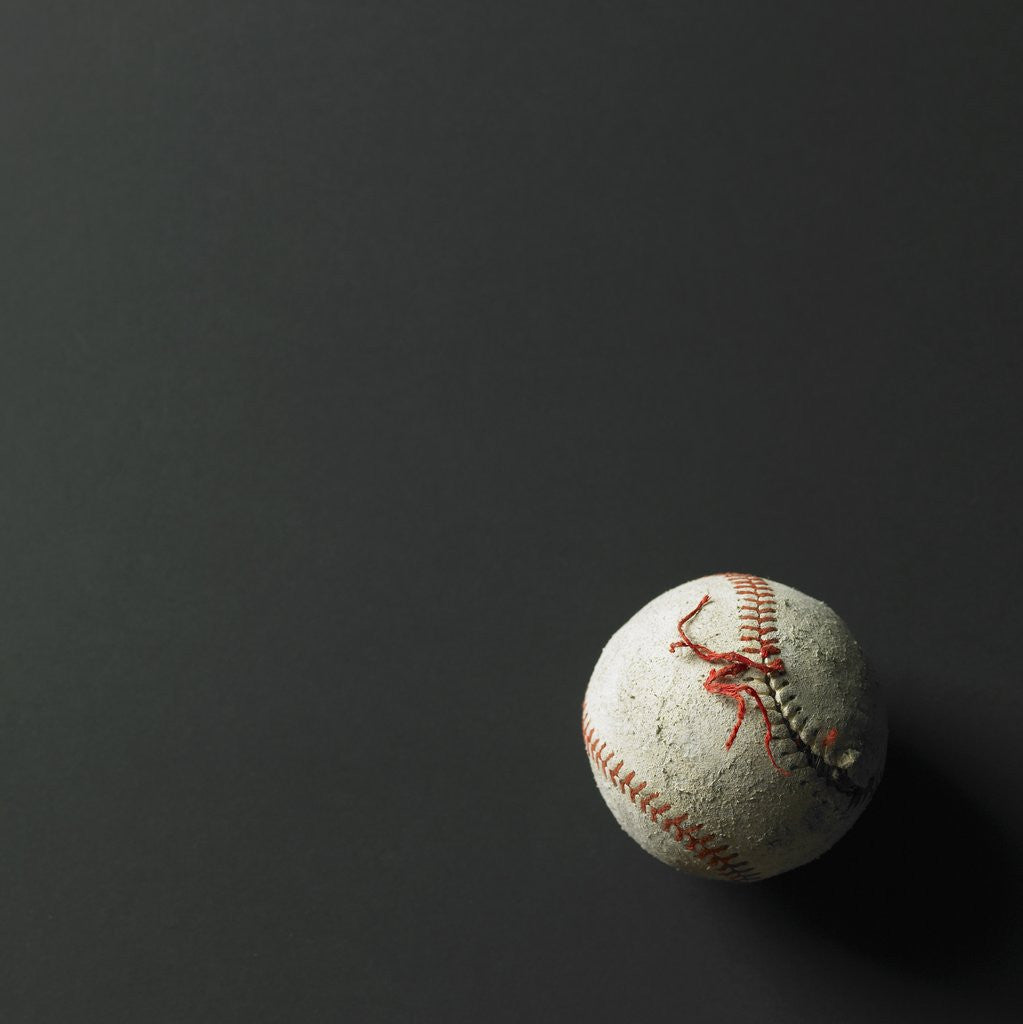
733, 729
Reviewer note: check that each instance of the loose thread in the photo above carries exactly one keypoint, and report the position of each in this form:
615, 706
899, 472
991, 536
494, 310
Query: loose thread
734, 664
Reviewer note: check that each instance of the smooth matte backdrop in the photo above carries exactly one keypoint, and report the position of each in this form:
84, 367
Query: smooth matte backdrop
363, 366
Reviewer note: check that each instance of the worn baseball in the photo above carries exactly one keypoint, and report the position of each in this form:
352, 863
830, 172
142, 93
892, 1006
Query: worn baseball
733, 729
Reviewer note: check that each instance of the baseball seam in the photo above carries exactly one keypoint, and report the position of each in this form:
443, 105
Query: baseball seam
758, 616
613, 769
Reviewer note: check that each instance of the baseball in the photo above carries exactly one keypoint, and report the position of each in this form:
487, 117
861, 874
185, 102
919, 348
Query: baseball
732, 728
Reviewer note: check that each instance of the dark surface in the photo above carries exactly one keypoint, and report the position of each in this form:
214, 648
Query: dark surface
364, 367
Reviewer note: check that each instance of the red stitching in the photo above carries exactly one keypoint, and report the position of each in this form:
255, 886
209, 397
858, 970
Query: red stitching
757, 599
736, 663
687, 835
764, 607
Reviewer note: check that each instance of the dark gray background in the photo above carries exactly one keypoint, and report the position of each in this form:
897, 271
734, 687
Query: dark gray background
364, 366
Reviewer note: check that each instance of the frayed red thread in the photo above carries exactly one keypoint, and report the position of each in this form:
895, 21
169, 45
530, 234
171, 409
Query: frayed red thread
734, 664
